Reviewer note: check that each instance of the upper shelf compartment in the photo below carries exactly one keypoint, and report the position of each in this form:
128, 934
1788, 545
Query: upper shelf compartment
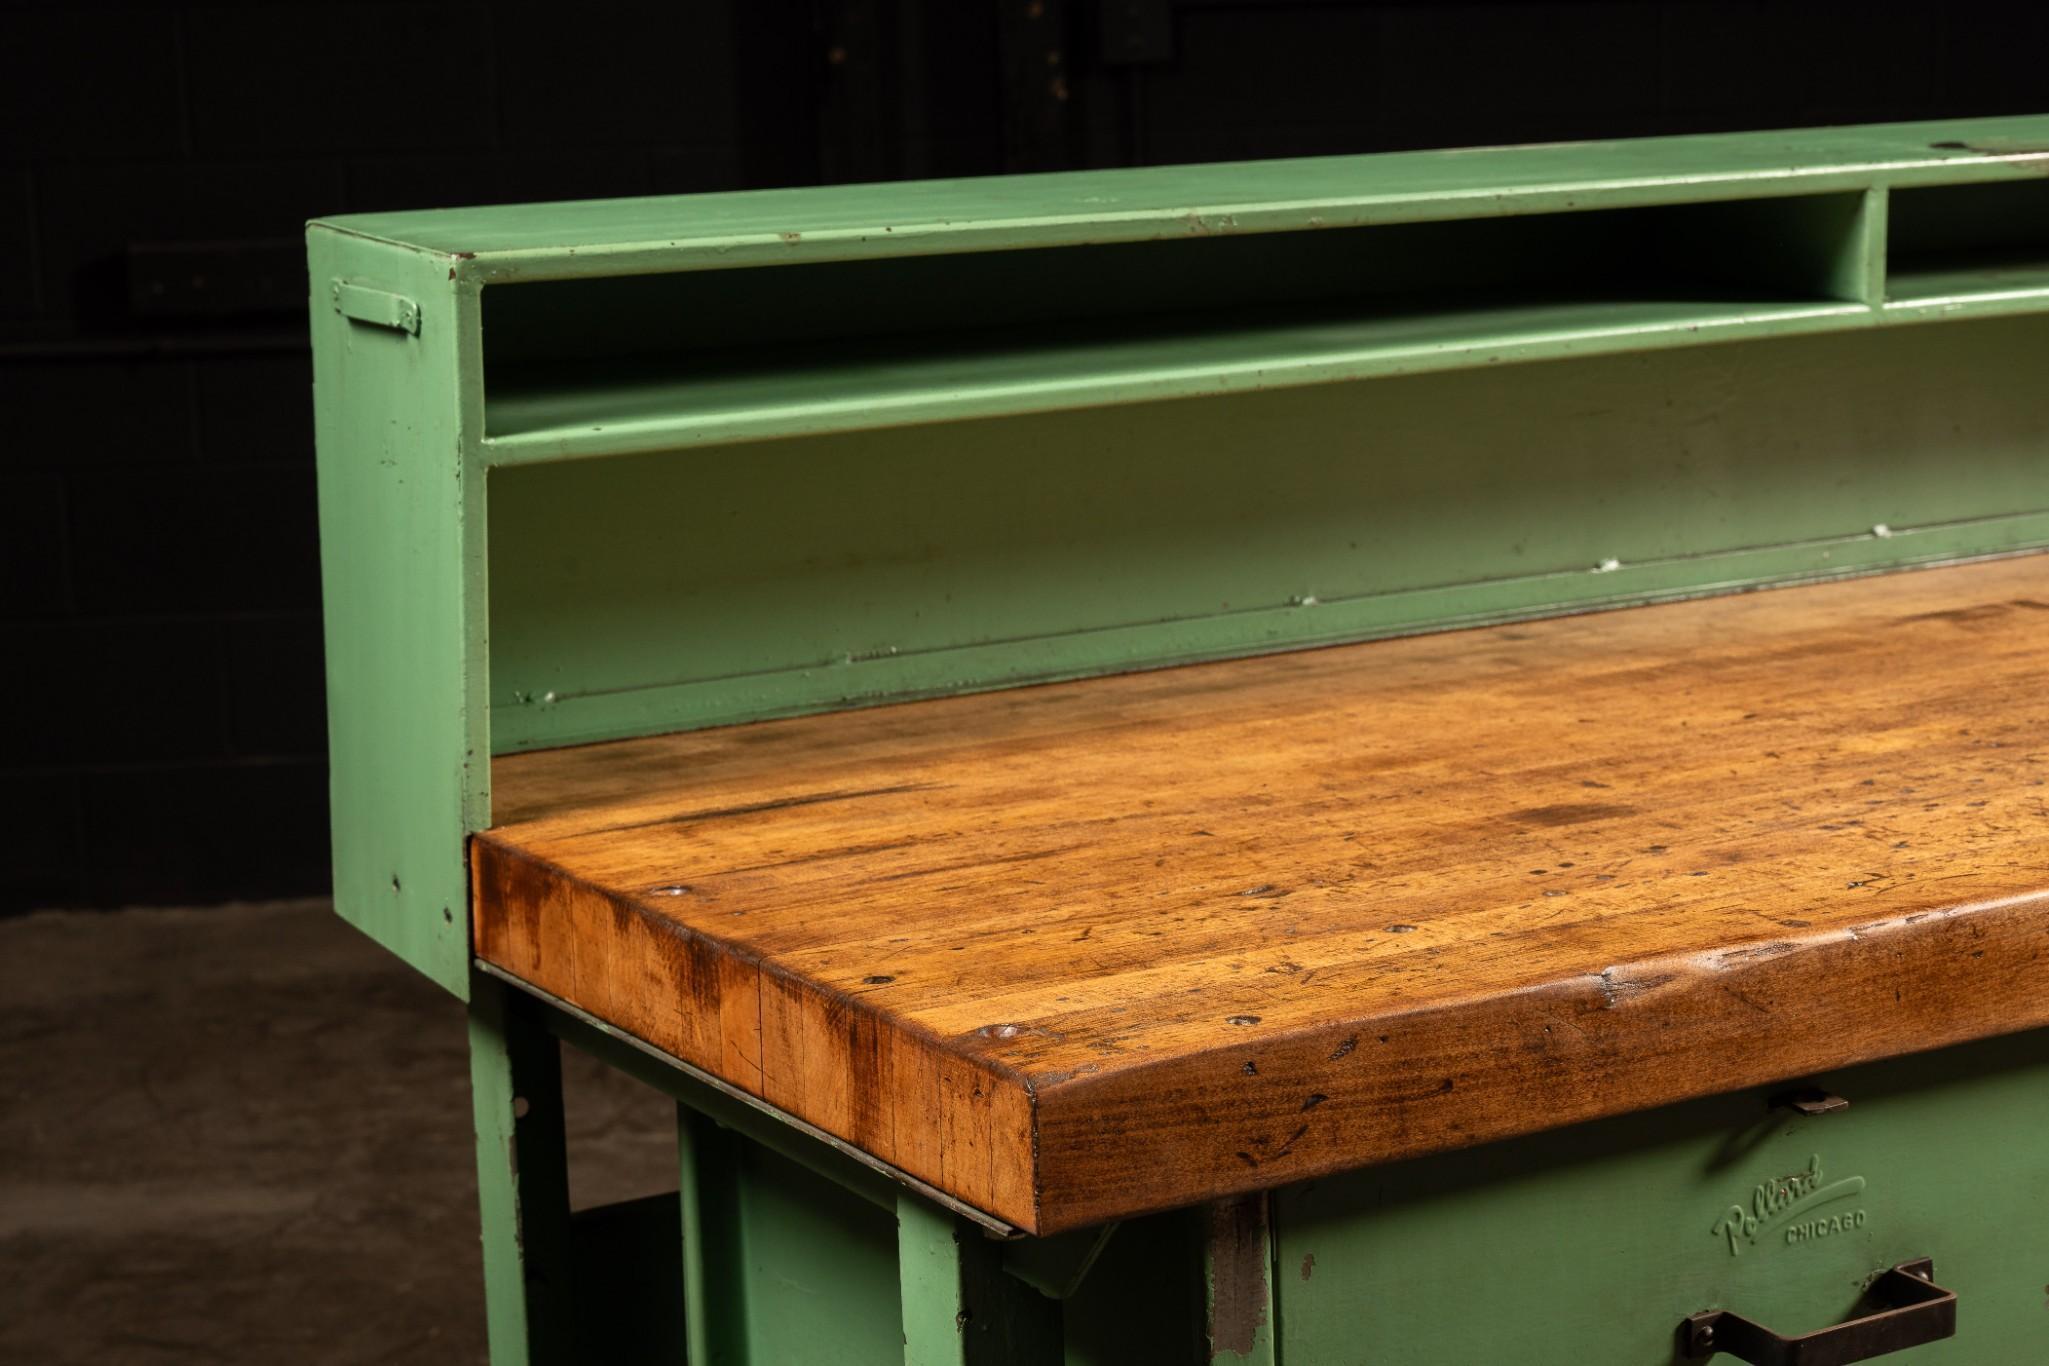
697, 357
1983, 246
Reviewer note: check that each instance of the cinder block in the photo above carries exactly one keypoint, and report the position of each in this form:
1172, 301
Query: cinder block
41, 849
256, 409
1453, 75
118, 691
205, 833
73, 414
18, 284
667, 74
276, 687
298, 80
196, 541
89, 80
33, 581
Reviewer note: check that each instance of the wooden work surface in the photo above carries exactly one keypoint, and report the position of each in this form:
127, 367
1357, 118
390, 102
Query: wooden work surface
1078, 951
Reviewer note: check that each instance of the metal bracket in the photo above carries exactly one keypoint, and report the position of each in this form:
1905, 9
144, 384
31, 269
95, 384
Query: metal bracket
1810, 1100
1055, 1266
360, 303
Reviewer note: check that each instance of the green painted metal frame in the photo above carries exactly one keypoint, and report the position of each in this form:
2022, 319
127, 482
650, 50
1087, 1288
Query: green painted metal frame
1599, 1239
491, 583
402, 569
777, 227
413, 550
793, 1248
955, 1307
522, 1177
791, 1138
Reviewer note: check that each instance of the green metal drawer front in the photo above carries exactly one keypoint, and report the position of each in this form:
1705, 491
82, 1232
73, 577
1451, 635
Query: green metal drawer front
1589, 1246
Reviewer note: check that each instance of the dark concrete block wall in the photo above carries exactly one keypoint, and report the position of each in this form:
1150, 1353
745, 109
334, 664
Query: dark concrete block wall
158, 571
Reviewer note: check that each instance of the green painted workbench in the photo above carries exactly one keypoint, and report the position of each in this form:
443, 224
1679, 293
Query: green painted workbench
601, 471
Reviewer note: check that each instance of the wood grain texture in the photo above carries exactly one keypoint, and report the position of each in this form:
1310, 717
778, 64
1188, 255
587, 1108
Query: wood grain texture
1079, 951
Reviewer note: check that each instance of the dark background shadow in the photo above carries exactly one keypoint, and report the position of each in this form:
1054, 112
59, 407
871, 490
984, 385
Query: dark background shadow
158, 576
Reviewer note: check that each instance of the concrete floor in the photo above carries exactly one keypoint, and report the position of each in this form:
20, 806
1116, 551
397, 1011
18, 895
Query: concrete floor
242, 1134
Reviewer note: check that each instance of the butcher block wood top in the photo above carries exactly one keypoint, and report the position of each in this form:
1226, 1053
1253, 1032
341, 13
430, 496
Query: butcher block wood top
1074, 952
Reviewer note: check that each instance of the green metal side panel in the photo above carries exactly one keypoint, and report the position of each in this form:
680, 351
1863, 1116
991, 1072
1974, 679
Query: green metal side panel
654, 592
1590, 1244
402, 570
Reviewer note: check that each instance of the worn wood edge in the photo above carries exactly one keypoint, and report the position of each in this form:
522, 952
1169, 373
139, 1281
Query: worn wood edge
525, 912
658, 1057
1921, 981
1956, 972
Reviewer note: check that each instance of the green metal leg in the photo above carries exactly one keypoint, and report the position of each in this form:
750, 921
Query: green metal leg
708, 1188
522, 1178
934, 1297
960, 1308
1238, 1276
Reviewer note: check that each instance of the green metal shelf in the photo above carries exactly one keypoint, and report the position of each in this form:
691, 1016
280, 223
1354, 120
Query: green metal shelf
1978, 286
763, 396
1770, 252
972, 376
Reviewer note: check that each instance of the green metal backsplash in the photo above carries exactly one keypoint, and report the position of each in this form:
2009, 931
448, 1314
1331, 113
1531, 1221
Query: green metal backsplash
735, 583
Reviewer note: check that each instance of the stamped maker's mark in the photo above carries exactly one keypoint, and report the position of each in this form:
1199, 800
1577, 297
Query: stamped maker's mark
1785, 1203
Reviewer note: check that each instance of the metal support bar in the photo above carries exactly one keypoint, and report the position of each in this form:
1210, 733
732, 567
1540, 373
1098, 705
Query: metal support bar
959, 1309
711, 1284
936, 1312
808, 1146
522, 1178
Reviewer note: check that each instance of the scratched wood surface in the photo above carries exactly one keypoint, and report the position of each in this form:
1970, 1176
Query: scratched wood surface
1077, 951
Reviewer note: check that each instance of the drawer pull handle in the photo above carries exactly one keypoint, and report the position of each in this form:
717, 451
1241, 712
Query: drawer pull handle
1916, 1311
